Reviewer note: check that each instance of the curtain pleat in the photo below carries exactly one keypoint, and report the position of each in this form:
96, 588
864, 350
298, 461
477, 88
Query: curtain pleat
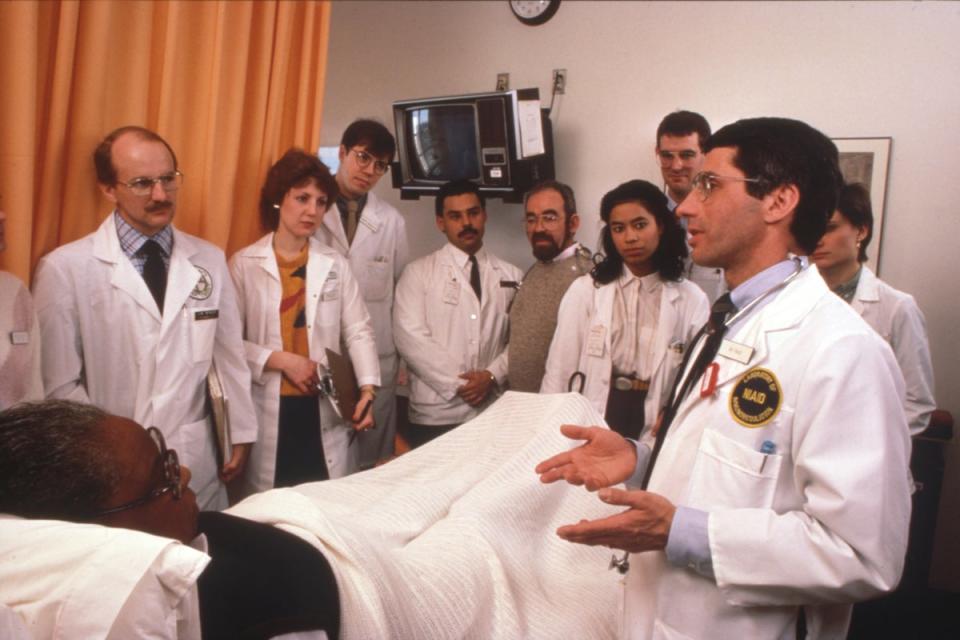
231, 85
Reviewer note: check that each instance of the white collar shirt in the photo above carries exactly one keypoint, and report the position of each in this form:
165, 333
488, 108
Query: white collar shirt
636, 311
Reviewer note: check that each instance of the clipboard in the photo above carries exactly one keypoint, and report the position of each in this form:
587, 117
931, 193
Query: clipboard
343, 390
218, 407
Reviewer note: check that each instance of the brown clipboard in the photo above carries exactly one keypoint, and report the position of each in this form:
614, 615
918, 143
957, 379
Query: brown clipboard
217, 405
344, 383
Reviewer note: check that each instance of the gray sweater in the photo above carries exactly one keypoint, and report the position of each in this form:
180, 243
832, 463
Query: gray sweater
533, 317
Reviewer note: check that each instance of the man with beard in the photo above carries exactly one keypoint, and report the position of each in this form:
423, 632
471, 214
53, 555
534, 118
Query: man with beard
680, 139
134, 315
551, 220
450, 319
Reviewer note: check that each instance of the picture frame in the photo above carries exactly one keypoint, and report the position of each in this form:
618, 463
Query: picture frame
867, 161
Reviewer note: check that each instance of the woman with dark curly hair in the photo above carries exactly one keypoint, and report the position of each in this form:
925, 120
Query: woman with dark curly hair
626, 325
299, 298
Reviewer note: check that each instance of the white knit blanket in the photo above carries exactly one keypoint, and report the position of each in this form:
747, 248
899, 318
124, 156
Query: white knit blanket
457, 538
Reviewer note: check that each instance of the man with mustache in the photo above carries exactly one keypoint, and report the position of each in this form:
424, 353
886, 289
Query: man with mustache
133, 316
450, 319
680, 139
551, 221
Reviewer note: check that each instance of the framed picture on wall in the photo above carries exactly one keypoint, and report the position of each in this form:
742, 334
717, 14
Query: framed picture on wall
866, 160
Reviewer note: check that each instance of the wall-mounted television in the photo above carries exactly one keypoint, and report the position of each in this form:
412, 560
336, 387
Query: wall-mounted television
503, 141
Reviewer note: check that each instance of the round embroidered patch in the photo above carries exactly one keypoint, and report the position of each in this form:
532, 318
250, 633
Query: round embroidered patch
204, 286
756, 399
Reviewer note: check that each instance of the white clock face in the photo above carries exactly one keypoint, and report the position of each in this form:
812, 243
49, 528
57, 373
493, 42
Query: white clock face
529, 8
534, 12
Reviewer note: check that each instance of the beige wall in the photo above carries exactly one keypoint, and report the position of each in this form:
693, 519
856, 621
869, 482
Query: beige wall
851, 69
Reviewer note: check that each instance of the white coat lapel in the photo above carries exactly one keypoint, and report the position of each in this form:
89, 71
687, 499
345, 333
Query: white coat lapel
867, 292
266, 259
333, 224
318, 268
124, 276
665, 324
370, 223
182, 278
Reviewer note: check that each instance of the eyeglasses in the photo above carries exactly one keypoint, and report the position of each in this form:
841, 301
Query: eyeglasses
171, 477
364, 159
705, 182
687, 156
548, 220
144, 186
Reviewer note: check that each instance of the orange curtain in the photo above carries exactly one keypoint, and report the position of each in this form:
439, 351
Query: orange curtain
231, 85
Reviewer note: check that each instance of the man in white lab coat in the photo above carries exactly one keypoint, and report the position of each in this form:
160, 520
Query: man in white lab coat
133, 315
450, 318
373, 236
776, 490
680, 139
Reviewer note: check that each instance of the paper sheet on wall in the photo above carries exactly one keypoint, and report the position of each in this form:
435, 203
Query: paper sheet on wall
531, 129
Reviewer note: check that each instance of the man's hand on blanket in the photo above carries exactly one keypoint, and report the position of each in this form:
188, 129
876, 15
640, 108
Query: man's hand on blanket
643, 527
605, 459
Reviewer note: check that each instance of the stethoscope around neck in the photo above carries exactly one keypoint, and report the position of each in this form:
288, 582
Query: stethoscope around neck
622, 564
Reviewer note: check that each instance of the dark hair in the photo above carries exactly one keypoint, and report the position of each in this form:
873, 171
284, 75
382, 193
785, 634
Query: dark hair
374, 136
668, 258
456, 188
569, 201
683, 123
295, 168
103, 154
854, 205
53, 462
779, 152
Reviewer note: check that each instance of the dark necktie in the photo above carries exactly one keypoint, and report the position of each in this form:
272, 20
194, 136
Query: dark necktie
154, 271
353, 207
714, 330
475, 276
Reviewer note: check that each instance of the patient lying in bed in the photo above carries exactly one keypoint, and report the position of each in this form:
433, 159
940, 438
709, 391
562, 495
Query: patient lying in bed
453, 540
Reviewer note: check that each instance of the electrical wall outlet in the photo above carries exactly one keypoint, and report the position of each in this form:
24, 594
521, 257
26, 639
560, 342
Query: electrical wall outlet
560, 81
503, 82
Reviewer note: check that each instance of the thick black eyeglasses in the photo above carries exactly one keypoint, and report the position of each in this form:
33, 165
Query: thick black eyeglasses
171, 477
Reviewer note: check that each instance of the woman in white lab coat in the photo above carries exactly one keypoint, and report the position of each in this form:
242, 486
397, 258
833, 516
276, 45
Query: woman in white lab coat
19, 338
299, 298
622, 330
840, 257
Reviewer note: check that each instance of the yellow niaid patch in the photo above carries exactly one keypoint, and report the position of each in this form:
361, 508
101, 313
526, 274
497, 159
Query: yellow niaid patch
756, 399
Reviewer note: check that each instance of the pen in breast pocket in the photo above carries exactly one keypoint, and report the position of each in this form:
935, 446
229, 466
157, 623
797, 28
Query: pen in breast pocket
767, 448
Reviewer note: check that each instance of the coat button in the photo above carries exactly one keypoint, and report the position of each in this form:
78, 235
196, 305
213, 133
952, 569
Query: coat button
473, 316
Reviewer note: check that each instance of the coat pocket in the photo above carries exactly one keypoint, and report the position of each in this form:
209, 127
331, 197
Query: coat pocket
728, 474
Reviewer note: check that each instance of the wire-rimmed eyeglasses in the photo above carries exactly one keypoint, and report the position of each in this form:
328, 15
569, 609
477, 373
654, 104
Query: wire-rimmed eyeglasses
364, 159
705, 182
144, 186
171, 477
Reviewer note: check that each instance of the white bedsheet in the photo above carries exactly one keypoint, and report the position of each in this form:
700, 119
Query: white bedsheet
457, 538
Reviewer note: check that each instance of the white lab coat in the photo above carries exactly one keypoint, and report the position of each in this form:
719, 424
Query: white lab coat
105, 342
822, 520
897, 318
586, 309
377, 257
442, 331
20, 378
333, 308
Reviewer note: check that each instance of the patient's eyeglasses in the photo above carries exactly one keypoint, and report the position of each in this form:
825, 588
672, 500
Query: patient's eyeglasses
144, 186
171, 477
705, 182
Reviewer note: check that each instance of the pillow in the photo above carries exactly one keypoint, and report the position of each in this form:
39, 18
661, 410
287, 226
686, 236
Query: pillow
68, 580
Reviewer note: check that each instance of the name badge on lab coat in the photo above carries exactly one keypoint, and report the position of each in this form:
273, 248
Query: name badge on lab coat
19, 337
451, 292
734, 351
595, 340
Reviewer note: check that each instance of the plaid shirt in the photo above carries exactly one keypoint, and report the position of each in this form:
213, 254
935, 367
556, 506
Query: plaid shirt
132, 240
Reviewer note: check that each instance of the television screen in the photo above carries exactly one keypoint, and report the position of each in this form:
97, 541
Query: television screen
444, 142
